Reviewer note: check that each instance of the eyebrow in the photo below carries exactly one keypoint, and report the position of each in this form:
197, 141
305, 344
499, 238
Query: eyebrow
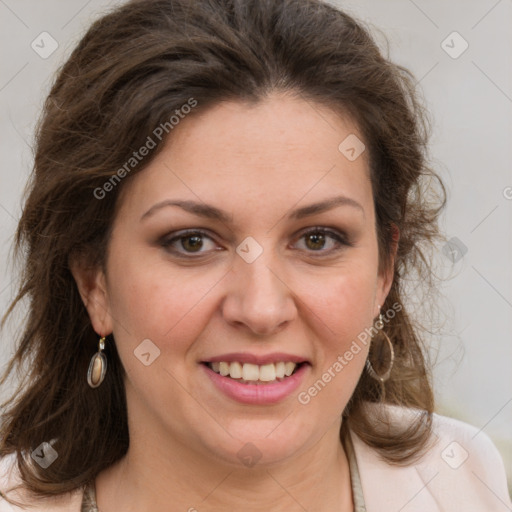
211, 212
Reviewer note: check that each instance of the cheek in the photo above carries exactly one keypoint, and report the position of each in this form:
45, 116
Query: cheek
158, 301
343, 301
339, 307
340, 311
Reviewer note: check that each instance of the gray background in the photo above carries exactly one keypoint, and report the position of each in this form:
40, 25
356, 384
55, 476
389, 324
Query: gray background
470, 98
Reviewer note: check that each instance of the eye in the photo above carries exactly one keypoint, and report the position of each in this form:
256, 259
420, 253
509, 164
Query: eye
189, 242
323, 240
197, 242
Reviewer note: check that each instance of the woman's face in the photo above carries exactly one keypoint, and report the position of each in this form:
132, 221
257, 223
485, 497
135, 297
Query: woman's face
279, 266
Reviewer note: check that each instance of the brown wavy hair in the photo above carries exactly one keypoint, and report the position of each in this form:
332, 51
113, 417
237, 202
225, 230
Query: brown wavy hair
130, 72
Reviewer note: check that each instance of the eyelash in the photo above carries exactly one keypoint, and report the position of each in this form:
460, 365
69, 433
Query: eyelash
340, 238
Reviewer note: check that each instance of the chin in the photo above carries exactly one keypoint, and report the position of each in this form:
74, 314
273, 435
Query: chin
264, 444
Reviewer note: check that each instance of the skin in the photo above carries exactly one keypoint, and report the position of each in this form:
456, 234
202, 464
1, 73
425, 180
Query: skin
258, 163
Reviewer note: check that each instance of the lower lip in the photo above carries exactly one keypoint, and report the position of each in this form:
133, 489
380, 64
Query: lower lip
257, 393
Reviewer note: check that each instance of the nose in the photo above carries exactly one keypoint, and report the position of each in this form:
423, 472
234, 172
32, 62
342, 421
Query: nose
258, 299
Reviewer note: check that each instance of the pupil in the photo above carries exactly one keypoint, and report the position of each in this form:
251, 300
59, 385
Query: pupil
194, 242
318, 240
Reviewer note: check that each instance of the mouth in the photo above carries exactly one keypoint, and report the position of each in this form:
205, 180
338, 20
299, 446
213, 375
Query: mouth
256, 380
250, 373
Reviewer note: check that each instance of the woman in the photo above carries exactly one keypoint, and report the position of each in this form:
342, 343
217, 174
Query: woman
226, 199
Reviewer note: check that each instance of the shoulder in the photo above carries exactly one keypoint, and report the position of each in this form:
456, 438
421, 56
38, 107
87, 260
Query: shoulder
9, 482
461, 469
457, 445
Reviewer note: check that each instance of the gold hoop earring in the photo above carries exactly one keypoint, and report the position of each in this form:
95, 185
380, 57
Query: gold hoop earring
382, 377
97, 366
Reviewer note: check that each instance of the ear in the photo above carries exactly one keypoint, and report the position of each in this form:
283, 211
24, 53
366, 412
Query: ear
92, 286
385, 278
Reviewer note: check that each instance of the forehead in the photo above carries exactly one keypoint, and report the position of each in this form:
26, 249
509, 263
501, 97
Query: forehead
283, 150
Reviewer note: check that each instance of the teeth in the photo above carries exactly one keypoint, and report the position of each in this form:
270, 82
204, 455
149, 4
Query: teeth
249, 371
288, 368
224, 369
236, 371
280, 370
252, 372
268, 372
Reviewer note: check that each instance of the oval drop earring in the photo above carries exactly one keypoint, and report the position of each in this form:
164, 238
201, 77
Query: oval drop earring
97, 366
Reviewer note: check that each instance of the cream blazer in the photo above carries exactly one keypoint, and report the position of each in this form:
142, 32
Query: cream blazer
462, 471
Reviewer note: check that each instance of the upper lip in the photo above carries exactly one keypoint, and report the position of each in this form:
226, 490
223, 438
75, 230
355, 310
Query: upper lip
245, 357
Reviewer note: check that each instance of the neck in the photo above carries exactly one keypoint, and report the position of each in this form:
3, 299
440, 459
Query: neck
157, 472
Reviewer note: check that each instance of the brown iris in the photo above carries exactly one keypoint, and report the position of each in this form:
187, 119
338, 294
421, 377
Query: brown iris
317, 239
192, 243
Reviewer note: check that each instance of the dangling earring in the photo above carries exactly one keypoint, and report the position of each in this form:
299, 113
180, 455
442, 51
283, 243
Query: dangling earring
97, 366
383, 377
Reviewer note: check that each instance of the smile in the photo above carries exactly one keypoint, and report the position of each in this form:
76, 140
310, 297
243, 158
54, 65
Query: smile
245, 382
249, 373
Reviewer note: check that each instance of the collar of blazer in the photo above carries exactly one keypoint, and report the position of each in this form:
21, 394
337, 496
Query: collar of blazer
461, 469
